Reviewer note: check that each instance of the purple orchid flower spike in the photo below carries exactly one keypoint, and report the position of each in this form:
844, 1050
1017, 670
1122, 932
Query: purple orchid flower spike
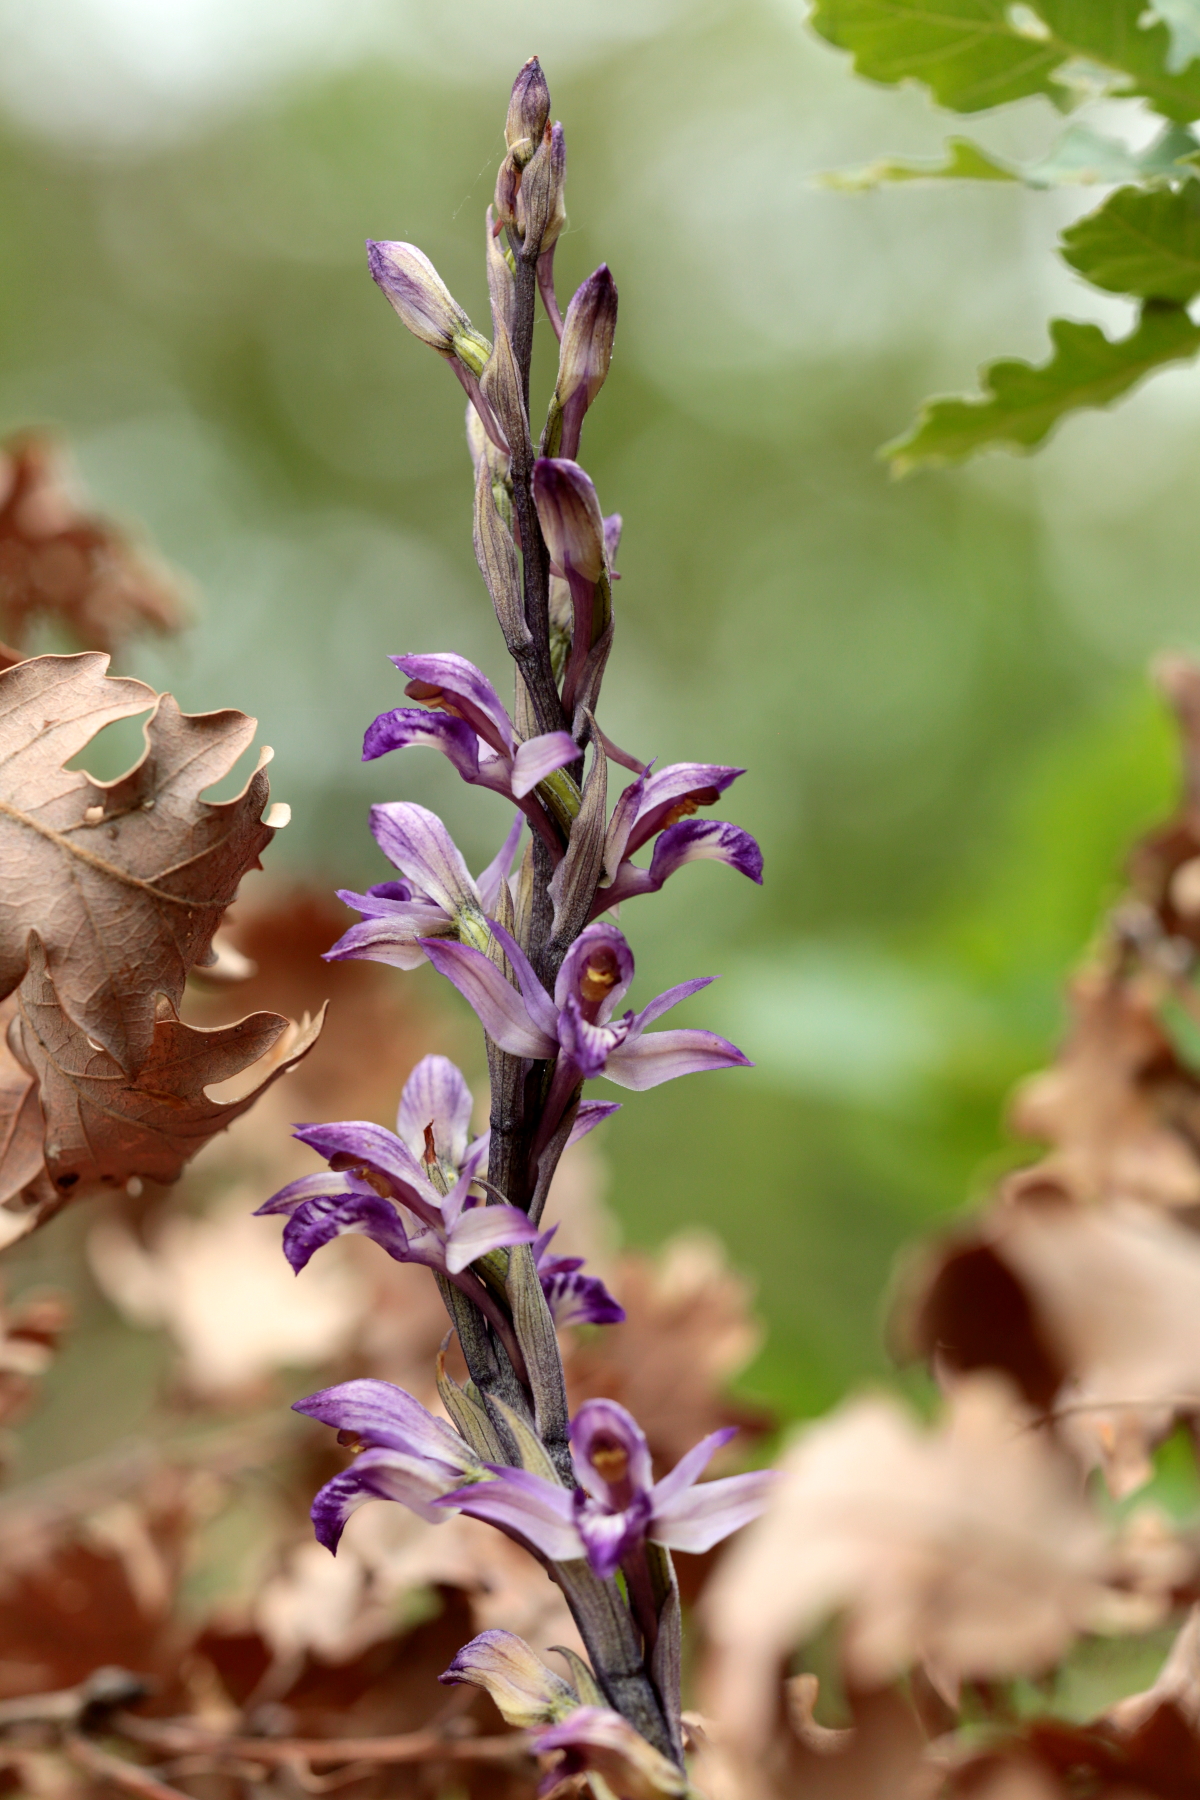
408, 1455
573, 1298
664, 803
437, 898
618, 1505
471, 726
577, 1026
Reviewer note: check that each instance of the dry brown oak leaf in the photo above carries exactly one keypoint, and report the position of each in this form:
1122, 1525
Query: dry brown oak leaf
103, 1125
125, 881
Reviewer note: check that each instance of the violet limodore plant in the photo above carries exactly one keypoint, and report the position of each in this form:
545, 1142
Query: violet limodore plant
545, 975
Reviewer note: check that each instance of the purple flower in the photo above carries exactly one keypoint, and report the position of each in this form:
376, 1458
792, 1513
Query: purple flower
524, 1689
473, 729
664, 803
618, 1504
573, 1298
407, 1455
596, 1740
408, 1190
437, 898
577, 1026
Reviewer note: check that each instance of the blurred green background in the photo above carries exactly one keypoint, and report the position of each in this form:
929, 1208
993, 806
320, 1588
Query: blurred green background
938, 687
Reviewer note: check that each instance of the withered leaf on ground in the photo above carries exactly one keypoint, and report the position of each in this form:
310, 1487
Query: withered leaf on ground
60, 562
103, 1125
125, 882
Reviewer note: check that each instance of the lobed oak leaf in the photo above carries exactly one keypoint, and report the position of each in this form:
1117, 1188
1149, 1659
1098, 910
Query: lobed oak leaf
104, 1125
125, 881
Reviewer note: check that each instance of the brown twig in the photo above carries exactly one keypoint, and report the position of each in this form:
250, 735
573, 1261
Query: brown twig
122, 1774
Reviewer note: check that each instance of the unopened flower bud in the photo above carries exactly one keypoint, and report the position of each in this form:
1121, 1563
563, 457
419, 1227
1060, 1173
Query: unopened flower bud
528, 111
540, 209
587, 345
501, 288
569, 513
418, 294
525, 1690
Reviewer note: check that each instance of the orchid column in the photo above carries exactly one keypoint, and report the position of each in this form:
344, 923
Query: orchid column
546, 975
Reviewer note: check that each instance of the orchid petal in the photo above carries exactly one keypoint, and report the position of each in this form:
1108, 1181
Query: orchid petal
409, 725
475, 697
316, 1223
309, 1187
541, 1008
610, 1536
700, 1517
601, 946
663, 1003
689, 1468
384, 897
499, 1008
696, 784
576, 1299
589, 1046
689, 840
391, 938
590, 1114
436, 1094
376, 1148
604, 1425
539, 757
417, 842
539, 1512
620, 824
646, 1062
485, 1228
525, 1691
375, 1475
378, 1412
490, 879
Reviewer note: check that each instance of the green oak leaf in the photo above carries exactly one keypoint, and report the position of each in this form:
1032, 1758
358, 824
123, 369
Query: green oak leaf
1081, 157
963, 161
1023, 402
1143, 241
975, 54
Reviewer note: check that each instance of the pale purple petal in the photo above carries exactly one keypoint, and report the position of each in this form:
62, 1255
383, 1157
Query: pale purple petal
689, 1468
621, 823
484, 1228
500, 1009
700, 1517
693, 784
310, 1187
391, 938
606, 1431
539, 757
409, 725
539, 1512
436, 1094
608, 1537
376, 1148
575, 1298
603, 947
589, 1046
417, 842
612, 540
472, 693
541, 1008
663, 1003
646, 1062
380, 1413
569, 513
317, 1222
490, 879
690, 840
477, 1153
590, 1114
384, 897
375, 1475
